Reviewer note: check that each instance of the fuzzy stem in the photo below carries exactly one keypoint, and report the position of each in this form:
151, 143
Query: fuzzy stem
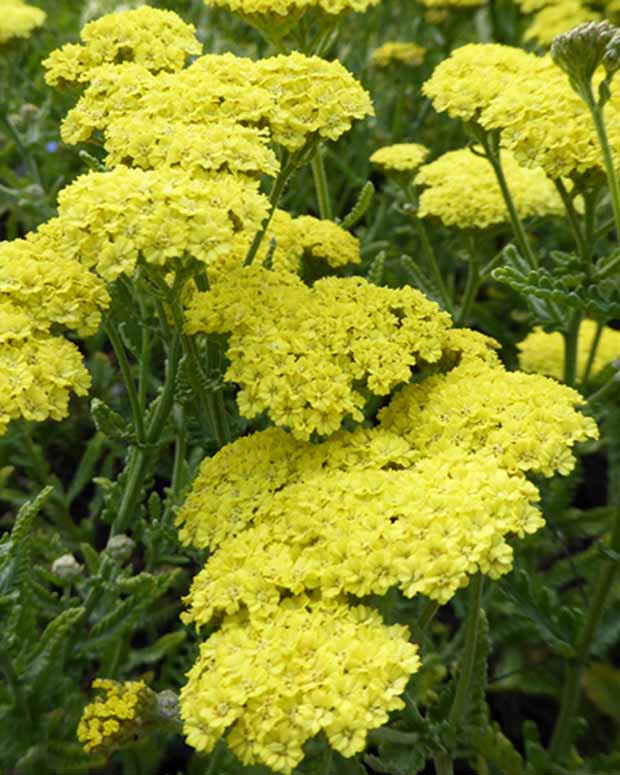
584, 251
320, 185
134, 399
592, 354
469, 655
571, 339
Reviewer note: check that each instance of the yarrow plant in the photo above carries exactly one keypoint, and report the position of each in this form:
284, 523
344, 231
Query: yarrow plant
341, 428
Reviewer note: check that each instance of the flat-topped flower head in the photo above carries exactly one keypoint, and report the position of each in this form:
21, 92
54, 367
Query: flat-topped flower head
316, 666
473, 76
18, 20
37, 374
306, 355
545, 123
113, 721
401, 157
543, 353
156, 39
109, 220
267, 9
554, 18
397, 52
312, 97
203, 149
50, 287
460, 188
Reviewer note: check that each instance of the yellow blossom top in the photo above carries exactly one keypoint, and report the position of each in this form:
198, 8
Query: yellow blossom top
18, 19
302, 354
398, 52
223, 146
558, 17
545, 123
111, 723
266, 8
108, 220
156, 39
294, 96
37, 372
49, 286
452, 5
327, 241
543, 353
474, 75
316, 665
461, 189
401, 157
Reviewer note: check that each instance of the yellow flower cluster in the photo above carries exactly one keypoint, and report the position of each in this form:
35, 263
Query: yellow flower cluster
472, 76
36, 373
49, 286
327, 241
461, 189
543, 353
542, 120
162, 216
316, 665
297, 97
268, 8
110, 723
158, 40
306, 355
218, 147
19, 19
557, 17
422, 501
398, 52
401, 157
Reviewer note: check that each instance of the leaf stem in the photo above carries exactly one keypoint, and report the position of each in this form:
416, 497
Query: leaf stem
320, 186
134, 399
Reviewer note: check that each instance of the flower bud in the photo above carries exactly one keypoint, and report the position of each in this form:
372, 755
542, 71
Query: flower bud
120, 547
581, 50
67, 567
168, 705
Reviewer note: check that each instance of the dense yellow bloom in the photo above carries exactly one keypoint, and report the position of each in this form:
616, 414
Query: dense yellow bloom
545, 123
462, 190
294, 96
158, 40
18, 19
217, 147
558, 17
312, 97
398, 52
37, 277
474, 75
111, 722
451, 4
109, 219
401, 157
303, 354
526, 422
327, 241
316, 665
268, 8
544, 353
37, 373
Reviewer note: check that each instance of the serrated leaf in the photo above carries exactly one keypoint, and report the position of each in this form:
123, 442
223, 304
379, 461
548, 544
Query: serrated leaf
157, 651
110, 423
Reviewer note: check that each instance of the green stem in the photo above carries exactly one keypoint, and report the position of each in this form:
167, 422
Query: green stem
428, 614
592, 354
134, 399
429, 254
276, 192
471, 289
571, 692
140, 457
469, 655
493, 155
320, 186
599, 122
573, 219
571, 340
443, 764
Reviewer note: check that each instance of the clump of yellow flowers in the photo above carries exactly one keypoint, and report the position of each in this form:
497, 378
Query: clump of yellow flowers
19, 19
543, 353
401, 157
398, 52
460, 188
422, 500
112, 722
